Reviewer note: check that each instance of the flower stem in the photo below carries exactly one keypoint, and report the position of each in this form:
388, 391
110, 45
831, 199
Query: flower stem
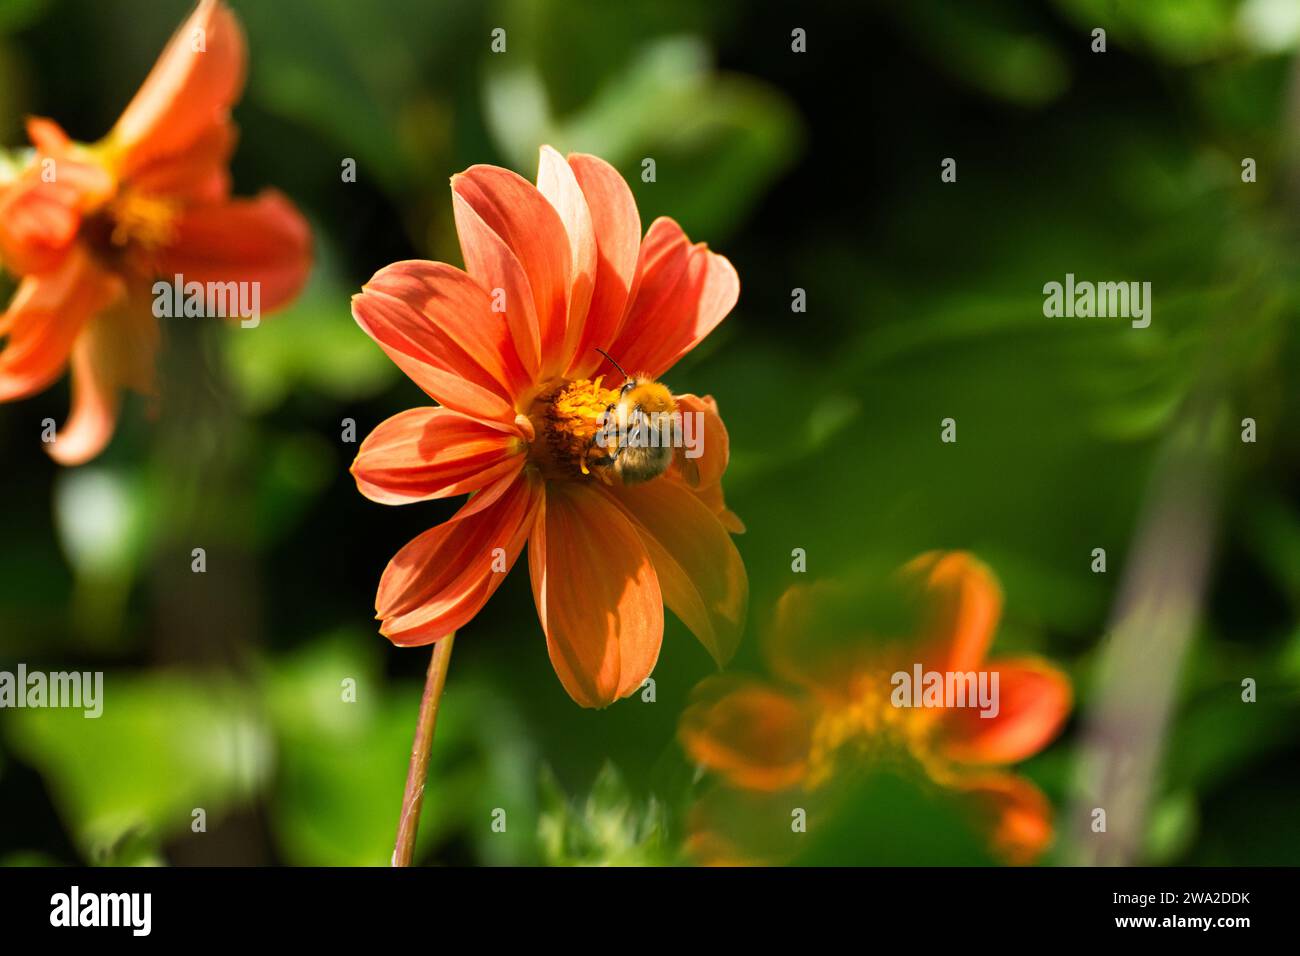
413, 798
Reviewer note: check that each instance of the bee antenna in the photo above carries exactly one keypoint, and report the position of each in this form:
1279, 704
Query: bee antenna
612, 362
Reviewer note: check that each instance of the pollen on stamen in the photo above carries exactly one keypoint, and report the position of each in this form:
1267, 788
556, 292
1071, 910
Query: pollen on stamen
143, 221
566, 420
867, 723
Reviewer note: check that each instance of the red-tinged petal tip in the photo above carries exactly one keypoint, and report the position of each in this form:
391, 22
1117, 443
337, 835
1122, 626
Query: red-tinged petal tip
1033, 701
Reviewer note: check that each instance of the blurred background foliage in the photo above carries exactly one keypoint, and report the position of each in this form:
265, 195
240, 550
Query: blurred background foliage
227, 691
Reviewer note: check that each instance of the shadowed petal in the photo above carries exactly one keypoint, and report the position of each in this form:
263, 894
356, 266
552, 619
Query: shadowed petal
617, 226
705, 465
114, 351
714, 501
755, 736
818, 638
1033, 702
191, 88
263, 240
1016, 814
439, 581
700, 571
45, 317
199, 174
597, 596
703, 473
425, 453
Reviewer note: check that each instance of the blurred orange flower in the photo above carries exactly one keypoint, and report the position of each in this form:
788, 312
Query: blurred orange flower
852, 709
508, 348
88, 227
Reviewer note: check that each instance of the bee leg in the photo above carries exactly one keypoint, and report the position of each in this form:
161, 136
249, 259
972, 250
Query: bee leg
611, 454
601, 468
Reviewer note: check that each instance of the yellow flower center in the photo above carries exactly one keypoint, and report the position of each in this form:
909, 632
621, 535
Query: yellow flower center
868, 727
566, 418
144, 221
129, 230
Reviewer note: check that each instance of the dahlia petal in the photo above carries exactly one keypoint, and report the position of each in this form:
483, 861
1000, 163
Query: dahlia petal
95, 403
712, 497
45, 317
617, 226
199, 174
496, 268
78, 171
439, 581
263, 240
491, 493
682, 293
557, 182
48, 136
114, 351
1014, 812
665, 243
38, 222
1034, 700
512, 208
756, 737
660, 265
714, 451
961, 603
436, 324
597, 596
425, 453
191, 88
816, 638
700, 572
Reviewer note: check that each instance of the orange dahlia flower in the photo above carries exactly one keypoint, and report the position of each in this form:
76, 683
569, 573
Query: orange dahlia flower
89, 227
847, 713
509, 348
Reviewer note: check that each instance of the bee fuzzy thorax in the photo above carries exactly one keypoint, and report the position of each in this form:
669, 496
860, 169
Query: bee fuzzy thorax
648, 395
586, 431
638, 432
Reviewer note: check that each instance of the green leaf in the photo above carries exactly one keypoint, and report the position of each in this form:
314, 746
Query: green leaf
164, 745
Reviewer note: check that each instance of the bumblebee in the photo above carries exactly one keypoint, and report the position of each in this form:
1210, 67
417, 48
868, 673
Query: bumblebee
637, 430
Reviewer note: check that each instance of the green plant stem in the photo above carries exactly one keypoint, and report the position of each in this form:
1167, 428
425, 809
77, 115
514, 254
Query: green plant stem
413, 798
